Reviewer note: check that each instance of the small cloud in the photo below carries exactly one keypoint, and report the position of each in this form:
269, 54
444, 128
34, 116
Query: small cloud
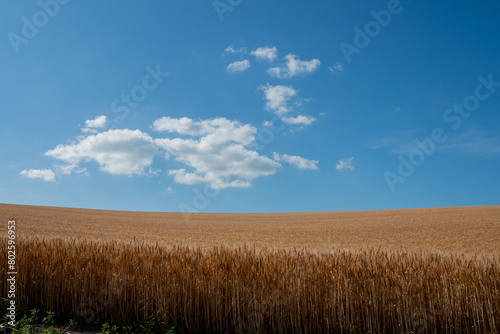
70, 168
267, 123
294, 67
231, 49
43, 174
338, 67
238, 66
398, 109
92, 124
300, 119
277, 97
297, 161
181, 176
279, 100
98, 122
266, 53
345, 164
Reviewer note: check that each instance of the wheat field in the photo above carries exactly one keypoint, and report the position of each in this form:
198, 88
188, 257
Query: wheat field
395, 271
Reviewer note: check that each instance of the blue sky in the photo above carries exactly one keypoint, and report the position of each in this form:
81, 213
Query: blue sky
250, 106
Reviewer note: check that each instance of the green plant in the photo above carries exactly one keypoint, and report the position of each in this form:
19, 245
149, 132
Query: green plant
149, 326
48, 320
171, 330
127, 330
107, 328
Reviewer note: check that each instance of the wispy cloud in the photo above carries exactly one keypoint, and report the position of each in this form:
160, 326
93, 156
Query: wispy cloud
399, 143
297, 161
232, 49
345, 164
394, 144
299, 120
338, 67
69, 169
473, 143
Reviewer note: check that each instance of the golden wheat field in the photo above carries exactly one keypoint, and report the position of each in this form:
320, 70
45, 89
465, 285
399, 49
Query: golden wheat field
395, 271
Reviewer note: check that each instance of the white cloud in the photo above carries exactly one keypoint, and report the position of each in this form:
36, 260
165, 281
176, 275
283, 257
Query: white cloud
44, 174
278, 97
293, 67
70, 168
297, 161
98, 122
220, 156
345, 164
231, 49
300, 119
92, 124
125, 152
217, 130
183, 126
338, 67
218, 152
222, 166
266, 53
238, 66
181, 176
